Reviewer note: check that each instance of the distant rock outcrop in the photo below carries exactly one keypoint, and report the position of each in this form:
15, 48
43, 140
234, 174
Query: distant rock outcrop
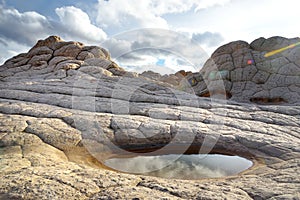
171, 80
55, 58
242, 72
66, 107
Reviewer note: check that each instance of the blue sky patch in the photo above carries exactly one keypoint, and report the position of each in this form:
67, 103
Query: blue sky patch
160, 62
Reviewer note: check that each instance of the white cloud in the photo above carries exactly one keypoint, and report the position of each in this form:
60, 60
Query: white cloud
141, 49
243, 20
24, 28
76, 24
208, 38
10, 48
28, 27
208, 20
119, 16
117, 47
116, 16
20, 31
210, 3
156, 60
159, 7
176, 64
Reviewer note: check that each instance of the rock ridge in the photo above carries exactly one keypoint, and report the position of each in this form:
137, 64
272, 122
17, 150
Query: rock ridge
246, 74
55, 58
64, 107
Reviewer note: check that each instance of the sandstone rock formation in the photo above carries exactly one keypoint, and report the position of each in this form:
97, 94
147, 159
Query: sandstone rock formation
65, 106
171, 80
249, 76
54, 58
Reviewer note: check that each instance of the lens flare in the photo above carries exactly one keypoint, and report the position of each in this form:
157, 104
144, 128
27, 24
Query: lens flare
250, 62
271, 53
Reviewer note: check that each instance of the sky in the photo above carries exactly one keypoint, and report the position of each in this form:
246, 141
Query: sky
159, 35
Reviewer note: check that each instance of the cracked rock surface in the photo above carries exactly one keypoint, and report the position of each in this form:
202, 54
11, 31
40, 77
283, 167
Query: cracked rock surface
62, 103
246, 73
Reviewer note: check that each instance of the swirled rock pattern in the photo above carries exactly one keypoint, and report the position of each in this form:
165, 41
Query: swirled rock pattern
54, 58
245, 73
62, 103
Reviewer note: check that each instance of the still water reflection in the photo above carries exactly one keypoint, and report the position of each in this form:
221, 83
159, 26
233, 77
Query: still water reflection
195, 166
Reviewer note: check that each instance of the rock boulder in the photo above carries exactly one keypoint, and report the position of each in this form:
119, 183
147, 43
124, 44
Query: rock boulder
247, 73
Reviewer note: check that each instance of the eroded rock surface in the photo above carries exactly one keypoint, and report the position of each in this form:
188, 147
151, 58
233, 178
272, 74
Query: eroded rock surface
64, 106
246, 73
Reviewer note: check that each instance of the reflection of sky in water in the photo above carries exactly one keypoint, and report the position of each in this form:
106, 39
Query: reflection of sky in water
182, 166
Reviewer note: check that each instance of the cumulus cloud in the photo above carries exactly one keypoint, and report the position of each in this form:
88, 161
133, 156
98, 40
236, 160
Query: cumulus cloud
116, 15
139, 62
20, 31
10, 48
24, 28
156, 60
210, 3
117, 47
208, 38
143, 48
76, 23
177, 6
28, 27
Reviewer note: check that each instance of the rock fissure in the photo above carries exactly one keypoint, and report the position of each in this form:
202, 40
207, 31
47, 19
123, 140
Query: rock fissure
159, 188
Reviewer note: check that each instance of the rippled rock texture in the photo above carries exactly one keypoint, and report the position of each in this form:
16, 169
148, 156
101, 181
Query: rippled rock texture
64, 107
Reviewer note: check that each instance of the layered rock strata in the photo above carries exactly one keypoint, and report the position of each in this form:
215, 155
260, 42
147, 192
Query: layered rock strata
63, 109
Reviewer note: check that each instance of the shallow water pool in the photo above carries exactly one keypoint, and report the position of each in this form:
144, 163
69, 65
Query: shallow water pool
194, 166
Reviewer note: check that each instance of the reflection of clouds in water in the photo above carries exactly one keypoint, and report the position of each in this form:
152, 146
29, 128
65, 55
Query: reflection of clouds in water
141, 164
182, 166
183, 170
